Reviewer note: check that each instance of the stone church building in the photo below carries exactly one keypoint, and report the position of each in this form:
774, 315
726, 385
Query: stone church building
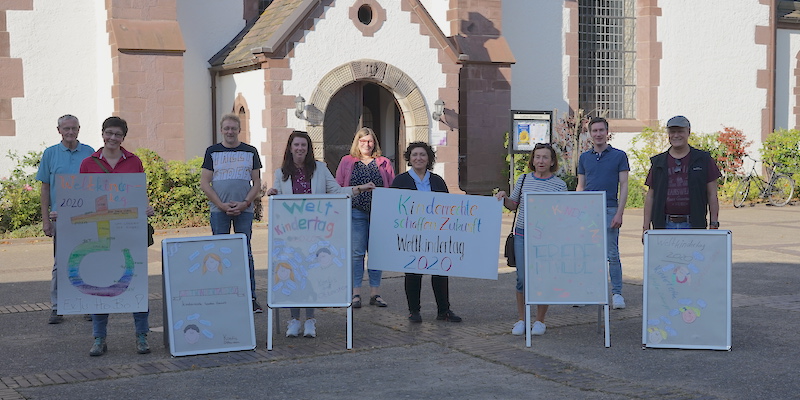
439, 71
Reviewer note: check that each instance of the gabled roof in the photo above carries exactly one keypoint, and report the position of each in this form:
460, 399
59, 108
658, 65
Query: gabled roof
270, 32
264, 34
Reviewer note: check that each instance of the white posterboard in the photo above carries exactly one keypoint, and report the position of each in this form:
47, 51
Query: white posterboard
565, 248
207, 295
101, 243
434, 233
687, 289
309, 251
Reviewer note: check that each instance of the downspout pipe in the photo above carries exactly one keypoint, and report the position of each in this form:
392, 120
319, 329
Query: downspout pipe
213, 105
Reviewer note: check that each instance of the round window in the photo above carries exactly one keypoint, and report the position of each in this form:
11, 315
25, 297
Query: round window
365, 14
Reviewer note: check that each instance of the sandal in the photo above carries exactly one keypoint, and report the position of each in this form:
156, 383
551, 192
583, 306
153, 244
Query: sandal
377, 301
356, 301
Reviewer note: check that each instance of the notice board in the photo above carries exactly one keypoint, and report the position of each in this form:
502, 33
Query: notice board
434, 233
207, 294
687, 289
101, 243
309, 251
565, 248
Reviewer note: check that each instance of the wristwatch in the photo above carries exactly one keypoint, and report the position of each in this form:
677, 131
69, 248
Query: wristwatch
714, 224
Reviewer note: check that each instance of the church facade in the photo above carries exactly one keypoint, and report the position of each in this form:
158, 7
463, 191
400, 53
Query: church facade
446, 72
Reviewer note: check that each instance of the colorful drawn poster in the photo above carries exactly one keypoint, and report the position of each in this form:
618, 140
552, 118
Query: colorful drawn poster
101, 243
687, 289
565, 248
207, 294
309, 251
434, 233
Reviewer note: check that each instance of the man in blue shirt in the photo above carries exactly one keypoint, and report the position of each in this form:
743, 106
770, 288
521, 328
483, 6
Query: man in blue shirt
604, 168
62, 158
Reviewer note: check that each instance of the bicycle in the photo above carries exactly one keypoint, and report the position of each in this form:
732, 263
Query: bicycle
778, 188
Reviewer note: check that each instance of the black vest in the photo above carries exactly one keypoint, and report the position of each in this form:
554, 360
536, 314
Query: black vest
698, 189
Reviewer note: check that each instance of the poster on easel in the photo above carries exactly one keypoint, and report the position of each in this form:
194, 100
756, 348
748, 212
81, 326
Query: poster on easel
101, 243
565, 252
207, 295
565, 248
687, 289
309, 251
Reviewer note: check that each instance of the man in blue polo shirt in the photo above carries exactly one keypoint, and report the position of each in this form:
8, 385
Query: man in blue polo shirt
62, 158
604, 168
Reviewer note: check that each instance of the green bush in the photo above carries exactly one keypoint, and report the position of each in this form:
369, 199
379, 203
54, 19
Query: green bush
651, 141
636, 191
19, 193
174, 191
783, 146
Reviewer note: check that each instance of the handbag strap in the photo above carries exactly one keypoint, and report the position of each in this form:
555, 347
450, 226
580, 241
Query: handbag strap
104, 167
519, 198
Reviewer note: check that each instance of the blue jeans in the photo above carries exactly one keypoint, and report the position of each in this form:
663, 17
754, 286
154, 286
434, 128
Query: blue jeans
678, 225
612, 242
360, 240
242, 223
519, 254
100, 322
54, 279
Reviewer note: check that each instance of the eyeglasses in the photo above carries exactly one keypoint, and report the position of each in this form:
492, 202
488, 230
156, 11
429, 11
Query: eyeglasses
113, 134
542, 146
366, 141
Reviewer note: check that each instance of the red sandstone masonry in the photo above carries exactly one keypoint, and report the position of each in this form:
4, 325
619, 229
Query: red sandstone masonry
148, 87
11, 85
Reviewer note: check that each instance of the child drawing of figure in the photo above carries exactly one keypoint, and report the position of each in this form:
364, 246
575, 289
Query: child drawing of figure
191, 333
284, 279
656, 334
212, 262
324, 257
688, 312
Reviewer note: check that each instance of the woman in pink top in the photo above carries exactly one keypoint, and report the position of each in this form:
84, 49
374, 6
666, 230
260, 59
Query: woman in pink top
364, 164
113, 158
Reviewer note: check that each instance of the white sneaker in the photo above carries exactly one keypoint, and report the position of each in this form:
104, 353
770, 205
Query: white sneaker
538, 328
310, 328
293, 328
617, 301
519, 328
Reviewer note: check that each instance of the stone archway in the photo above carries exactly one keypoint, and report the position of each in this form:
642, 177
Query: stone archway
409, 99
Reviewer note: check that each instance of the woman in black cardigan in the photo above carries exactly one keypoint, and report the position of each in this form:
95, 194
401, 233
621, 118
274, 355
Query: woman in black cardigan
420, 158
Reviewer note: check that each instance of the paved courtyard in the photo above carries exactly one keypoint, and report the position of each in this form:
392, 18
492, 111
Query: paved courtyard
391, 358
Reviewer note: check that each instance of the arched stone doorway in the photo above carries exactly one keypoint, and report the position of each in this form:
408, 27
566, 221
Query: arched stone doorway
366, 93
362, 104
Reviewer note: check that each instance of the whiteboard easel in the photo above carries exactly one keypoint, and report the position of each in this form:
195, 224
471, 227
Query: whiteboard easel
566, 259
309, 255
687, 289
208, 306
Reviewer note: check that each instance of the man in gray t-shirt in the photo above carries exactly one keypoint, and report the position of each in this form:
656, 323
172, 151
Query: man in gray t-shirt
231, 179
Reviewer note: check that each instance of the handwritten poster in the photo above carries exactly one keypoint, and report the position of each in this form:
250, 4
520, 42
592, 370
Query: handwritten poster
309, 251
101, 243
207, 294
565, 248
434, 233
687, 292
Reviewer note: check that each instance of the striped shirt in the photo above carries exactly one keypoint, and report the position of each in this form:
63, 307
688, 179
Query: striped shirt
533, 184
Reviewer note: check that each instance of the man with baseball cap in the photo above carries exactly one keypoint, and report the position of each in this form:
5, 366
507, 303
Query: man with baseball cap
682, 184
